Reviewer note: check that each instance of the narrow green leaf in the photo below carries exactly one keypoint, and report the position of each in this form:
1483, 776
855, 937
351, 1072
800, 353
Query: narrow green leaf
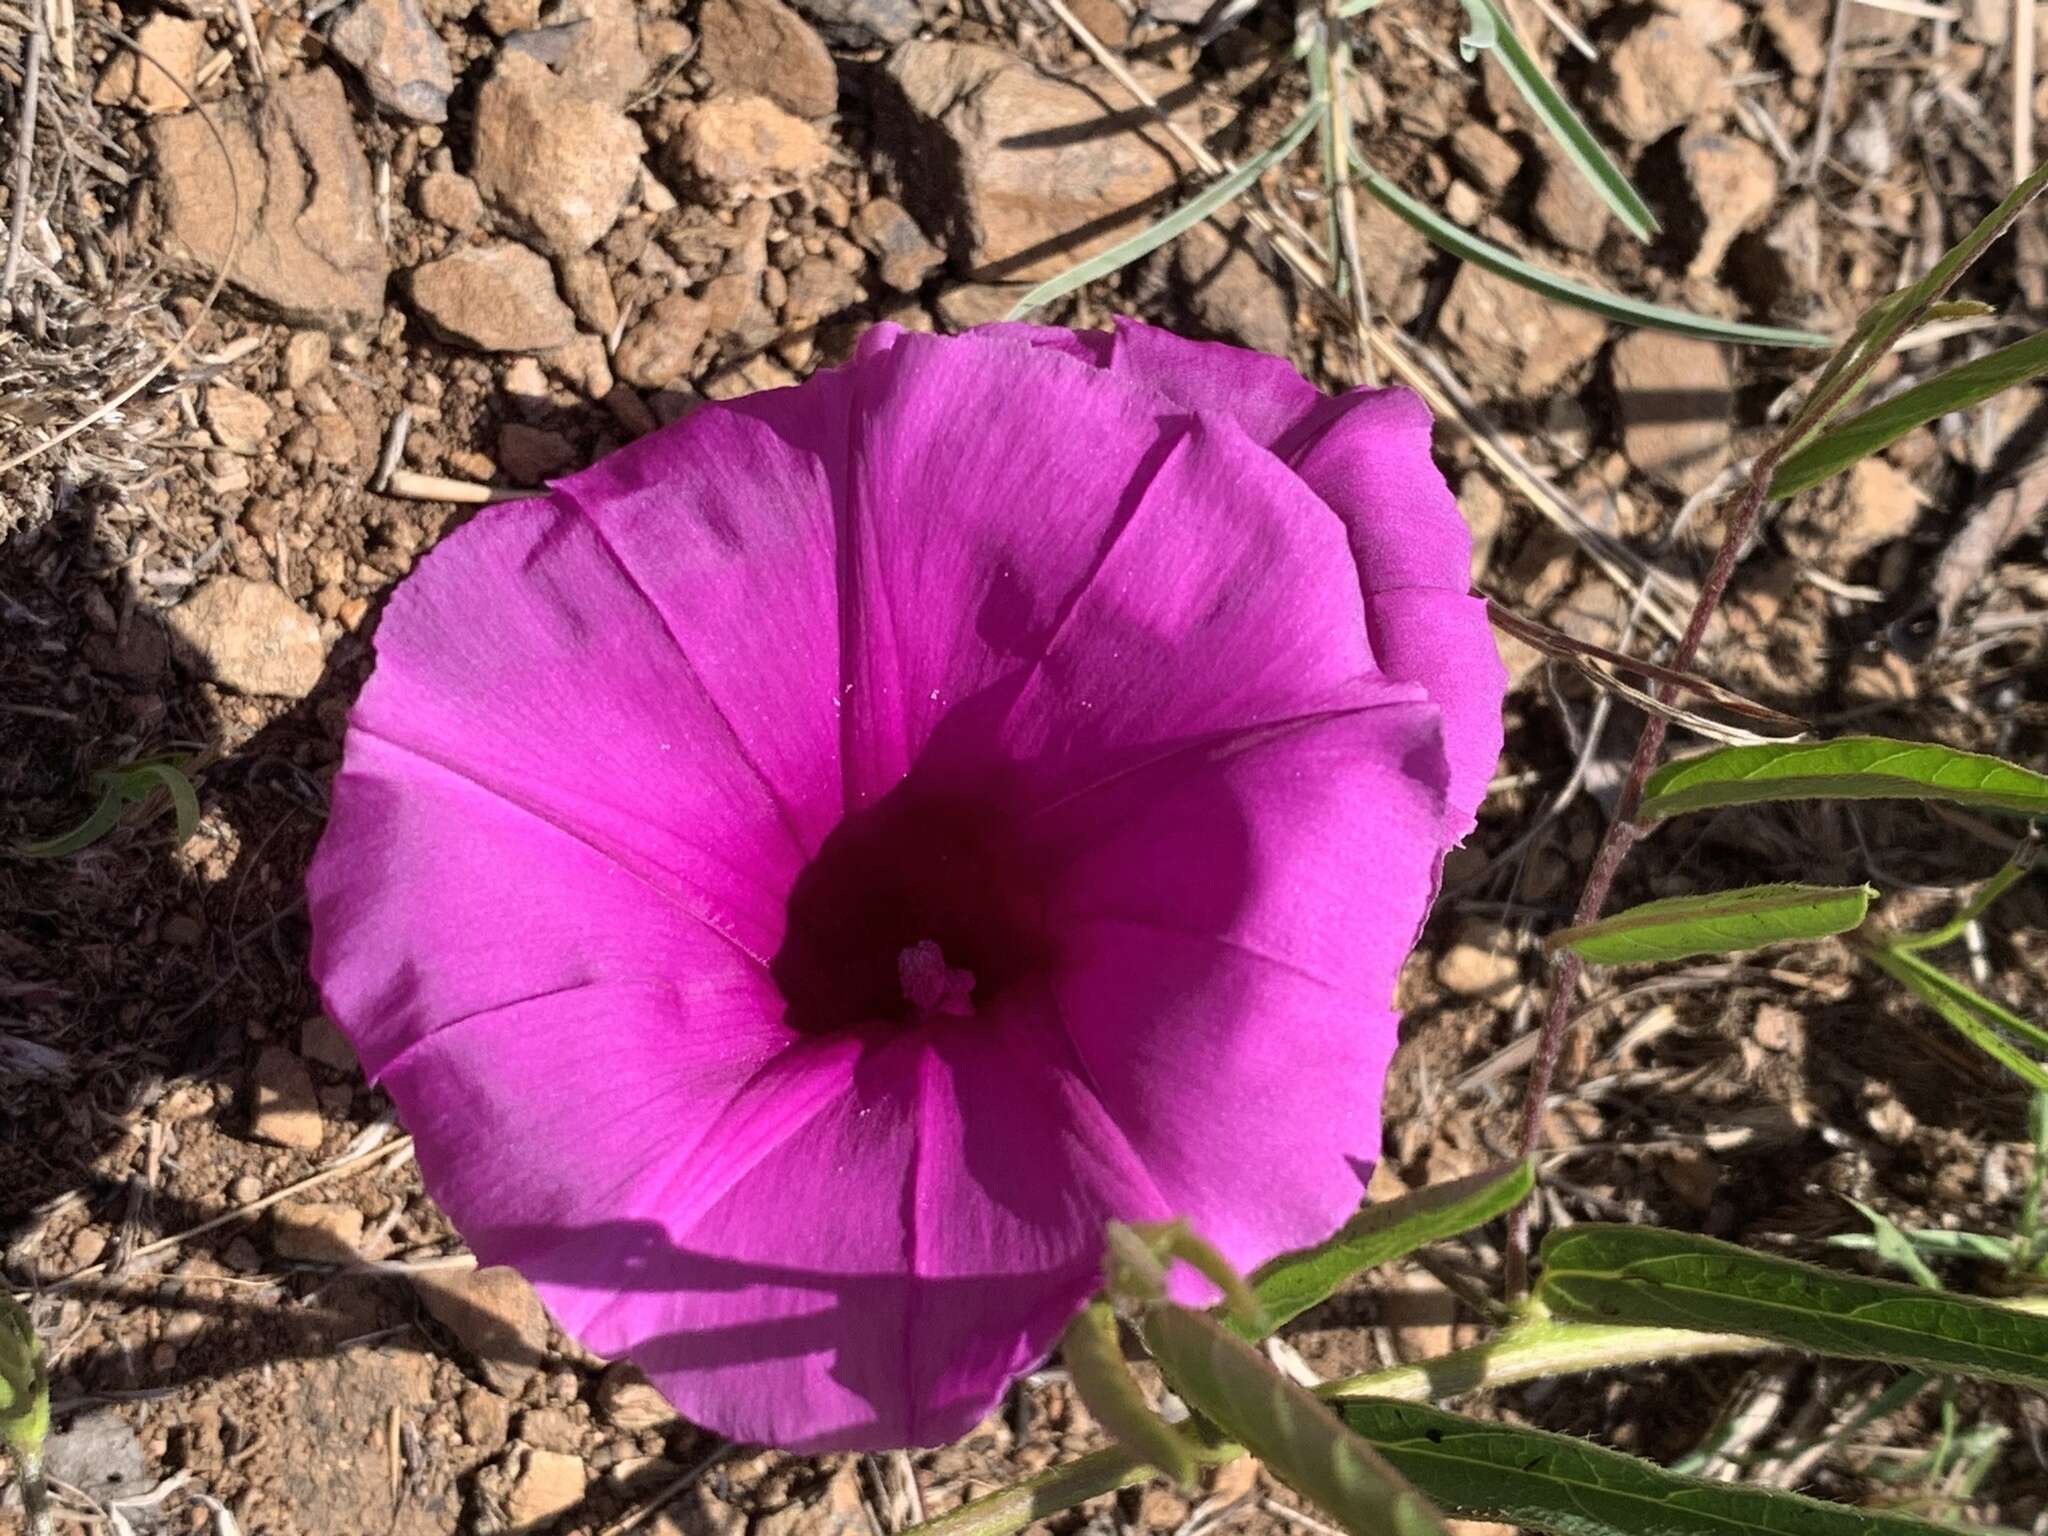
1094, 1357
1185, 217
1547, 1482
1674, 1279
1895, 1248
1975, 1017
1289, 1285
1717, 923
24, 1381
87, 832
1839, 446
1981, 1246
1490, 29
1465, 245
172, 780
1301, 1441
1848, 768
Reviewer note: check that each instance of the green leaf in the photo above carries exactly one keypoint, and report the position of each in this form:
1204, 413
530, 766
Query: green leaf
1718, 923
120, 788
24, 1381
1848, 768
1465, 245
1895, 1248
1490, 29
1837, 447
1297, 1435
1982, 1246
1289, 1285
1975, 1017
1183, 218
1674, 1279
96, 825
1094, 1356
1554, 1483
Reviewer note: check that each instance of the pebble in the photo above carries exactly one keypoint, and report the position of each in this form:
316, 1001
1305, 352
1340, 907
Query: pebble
1481, 962
741, 147
763, 48
1488, 158
659, 347
629, 1401
320, 1041
864, 23
306, 357
1515, 344
495, 1316
587, 285
496, 298
238, 419
1228, 291
558, 163
399, 55
247, 1187
547, 1485
1658, 77
907, 257
451, 200
282, 1107
316, 1231
249, 636
1677, 395
1733, 183
175, 43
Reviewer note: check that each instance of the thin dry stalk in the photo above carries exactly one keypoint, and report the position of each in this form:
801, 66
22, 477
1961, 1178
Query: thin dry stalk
1830, 83
1343, 190
2022, 89
24, 156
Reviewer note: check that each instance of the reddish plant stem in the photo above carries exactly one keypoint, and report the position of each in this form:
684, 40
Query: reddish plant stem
1623, 831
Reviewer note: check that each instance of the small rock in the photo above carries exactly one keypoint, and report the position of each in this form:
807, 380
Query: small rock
283, 1109
740, 147
238, 419
1463, 203
1658, 77
1733, 182
966, 305
557, 162
1106, 19
398, 53
886, 229
552, 1429
496, 298
1568, 209
1010, 165
1422, 1316
1777, 1027
320, 1041
1490, 159
309, 249
334, 438
818, 289
250, 637
97, 1453
1676, 395
493, 1314
169, 52
486, 1419
1515, 344
864, 23
1481, 962
549, 1484
451, 200
305, 358
660, 346
502, 18
316, 1232
583, 365
87, 1246
600, 54
1229, 292
1713, 22
247, 1187
629, 1401
700, 1512
1797, 32
839, 1512
587, 285
529, 455
763, 48
1397, 253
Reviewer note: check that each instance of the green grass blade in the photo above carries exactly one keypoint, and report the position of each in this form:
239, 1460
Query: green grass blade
1838, 447
1674, 1279
1848, 768
1981, 1246
1545, 1482
1465, 245
1490, 29
1183, 218
1940, 994
87, 832
1289, 1285
170, 779
1895, 1248
1718, 923
1299, 1438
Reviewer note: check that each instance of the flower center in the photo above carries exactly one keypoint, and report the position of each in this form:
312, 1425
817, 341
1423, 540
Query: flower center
917, 909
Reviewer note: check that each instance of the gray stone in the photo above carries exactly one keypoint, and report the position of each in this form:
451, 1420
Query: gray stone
398, 53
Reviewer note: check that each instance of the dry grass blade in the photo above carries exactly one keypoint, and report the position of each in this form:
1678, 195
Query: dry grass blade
24, 157
178, 348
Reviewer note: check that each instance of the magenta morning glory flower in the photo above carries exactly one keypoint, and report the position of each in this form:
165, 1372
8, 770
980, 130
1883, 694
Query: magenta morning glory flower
804, 875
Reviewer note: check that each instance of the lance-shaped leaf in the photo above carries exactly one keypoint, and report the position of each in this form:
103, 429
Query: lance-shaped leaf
1673, 1279
1836, 448
1289, 1285
1225, 190
24, 1382
1985, 1024
1295, 1433
1549, 1482
1718, 923
1848, 768
1466, 246
1489, 29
